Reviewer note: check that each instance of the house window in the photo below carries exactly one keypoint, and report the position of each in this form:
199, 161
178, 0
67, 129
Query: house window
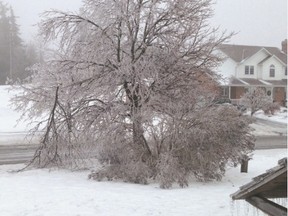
249, 69
285, 71
246, 69
272, 71
225, 91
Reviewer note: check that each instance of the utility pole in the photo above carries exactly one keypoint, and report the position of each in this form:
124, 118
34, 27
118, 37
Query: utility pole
10, 55
11, 35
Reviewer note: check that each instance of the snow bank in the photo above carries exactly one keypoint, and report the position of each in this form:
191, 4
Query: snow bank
64, 193
279, 116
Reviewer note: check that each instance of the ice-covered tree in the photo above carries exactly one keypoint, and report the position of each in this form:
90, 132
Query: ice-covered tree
256, 99
133, 85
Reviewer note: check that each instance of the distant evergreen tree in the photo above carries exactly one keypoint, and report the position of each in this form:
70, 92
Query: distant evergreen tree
16, 50
4, 44
14, 56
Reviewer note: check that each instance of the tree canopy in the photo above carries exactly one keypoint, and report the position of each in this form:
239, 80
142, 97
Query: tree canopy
133, 85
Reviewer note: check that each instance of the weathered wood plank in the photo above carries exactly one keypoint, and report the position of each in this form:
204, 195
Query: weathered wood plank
267, 206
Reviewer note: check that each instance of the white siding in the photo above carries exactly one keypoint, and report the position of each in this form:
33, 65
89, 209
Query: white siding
254, 61
227, 69
284, 68
259, 71
279, 70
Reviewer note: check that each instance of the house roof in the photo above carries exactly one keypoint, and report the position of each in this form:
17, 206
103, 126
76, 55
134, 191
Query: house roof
236, 82
241, 52
265, 59
252, 81
271, 184
256, 82
282, 82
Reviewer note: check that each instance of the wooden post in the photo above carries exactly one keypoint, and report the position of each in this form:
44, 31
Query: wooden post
244, 164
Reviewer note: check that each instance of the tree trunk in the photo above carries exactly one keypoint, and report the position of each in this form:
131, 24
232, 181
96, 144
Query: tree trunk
138, 133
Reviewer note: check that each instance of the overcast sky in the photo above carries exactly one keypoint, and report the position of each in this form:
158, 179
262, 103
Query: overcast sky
258, 22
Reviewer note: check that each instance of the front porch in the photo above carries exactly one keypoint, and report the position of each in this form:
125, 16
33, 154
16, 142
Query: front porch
277, 90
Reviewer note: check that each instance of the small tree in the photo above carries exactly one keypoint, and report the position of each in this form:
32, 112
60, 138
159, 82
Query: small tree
132, 86
256, 99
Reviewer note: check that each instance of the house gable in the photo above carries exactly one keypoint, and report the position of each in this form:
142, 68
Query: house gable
272, 63
253, 62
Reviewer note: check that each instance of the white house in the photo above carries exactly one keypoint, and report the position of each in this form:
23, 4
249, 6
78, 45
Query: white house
247, 67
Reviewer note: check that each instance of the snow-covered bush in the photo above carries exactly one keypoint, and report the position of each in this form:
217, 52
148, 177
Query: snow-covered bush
271, 108
199, 144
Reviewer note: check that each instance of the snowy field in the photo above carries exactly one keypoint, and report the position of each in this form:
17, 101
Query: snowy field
8, 116
12, 131
63, 193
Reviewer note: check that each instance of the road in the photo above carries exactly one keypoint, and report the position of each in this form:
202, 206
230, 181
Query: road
278, 140
271, 142
12, 154
270, 127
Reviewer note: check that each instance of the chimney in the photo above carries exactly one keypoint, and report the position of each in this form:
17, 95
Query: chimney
284, 46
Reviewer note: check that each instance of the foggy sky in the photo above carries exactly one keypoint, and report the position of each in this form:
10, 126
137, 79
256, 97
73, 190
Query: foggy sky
257, 22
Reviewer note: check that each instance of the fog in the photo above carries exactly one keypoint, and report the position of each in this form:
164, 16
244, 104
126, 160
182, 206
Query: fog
257, 22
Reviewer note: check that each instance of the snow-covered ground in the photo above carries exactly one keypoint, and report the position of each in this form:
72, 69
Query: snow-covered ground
12, 131
60, 192
9, 117
64, 193
279, 117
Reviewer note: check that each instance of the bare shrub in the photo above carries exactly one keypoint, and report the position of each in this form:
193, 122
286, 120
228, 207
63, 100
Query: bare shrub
271, 108
256, 99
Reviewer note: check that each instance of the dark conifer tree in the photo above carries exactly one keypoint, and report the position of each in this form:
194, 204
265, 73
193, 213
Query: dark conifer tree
16, 50
14, 55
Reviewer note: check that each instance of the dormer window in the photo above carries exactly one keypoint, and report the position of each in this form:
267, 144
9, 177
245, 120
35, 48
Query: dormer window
272, 70
249, 69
